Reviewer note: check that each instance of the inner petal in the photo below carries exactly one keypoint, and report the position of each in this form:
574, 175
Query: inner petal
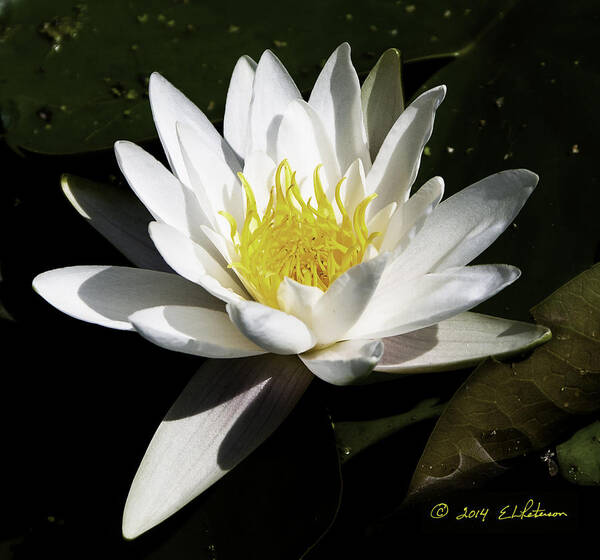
296, 238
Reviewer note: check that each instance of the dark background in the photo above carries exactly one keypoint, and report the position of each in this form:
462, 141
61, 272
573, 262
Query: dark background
80, 402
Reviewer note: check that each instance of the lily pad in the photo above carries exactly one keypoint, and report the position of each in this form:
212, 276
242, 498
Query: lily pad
579, 457
74, 74
354, 437
505, 411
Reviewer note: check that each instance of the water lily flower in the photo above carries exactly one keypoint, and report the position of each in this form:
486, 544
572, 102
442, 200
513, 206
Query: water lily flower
293, 234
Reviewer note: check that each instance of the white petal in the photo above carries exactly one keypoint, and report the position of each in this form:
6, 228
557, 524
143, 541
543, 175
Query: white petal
336, 99
303, 141
226, 411
167, 199
194, 262
298, 299
382, 100
379, 223
423, 301
118, 215
222, 244
270, 328
169, 106
259, 171
397, 163
217, 179
465, 224
193, 330
346, 299
459, 342
346, 362
108, 295
273, 91
410, 216
236, 121
353, 188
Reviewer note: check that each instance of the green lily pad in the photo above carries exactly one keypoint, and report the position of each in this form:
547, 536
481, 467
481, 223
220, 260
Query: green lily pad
355, 436
504, 411
579, 457
73, 75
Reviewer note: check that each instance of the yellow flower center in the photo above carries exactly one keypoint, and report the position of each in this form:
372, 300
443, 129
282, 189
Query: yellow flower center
295, 239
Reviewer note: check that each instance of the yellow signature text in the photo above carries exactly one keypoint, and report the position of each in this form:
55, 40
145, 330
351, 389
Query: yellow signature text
530, 510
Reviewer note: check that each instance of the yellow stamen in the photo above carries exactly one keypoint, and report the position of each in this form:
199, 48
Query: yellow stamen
295, 239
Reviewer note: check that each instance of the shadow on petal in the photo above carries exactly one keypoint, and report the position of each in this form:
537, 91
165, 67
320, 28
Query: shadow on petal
407, 347
117, 292
289, 380
219, 381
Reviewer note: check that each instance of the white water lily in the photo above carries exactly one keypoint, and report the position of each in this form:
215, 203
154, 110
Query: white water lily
294, 234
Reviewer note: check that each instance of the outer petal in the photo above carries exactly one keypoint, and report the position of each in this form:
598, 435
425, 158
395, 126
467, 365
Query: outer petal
346, 299
465, 224
271, 329
382, 100
169, 106
227, 410
193, 330
118, 215
336, 99
302, 139
410, 217
273, 91
194, 262
346, 362
237, 107
108, 295
397, 163
459, 342
429, 299
167, 199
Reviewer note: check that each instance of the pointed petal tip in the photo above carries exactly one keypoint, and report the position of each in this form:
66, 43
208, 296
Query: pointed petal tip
268, 54
42, 282
512, 272
393, 51
121, 145
344, 47
530, 174
69, 193
545, 336
156, 82
134, 525
442, 89
156, 78
242, 61
35, 283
